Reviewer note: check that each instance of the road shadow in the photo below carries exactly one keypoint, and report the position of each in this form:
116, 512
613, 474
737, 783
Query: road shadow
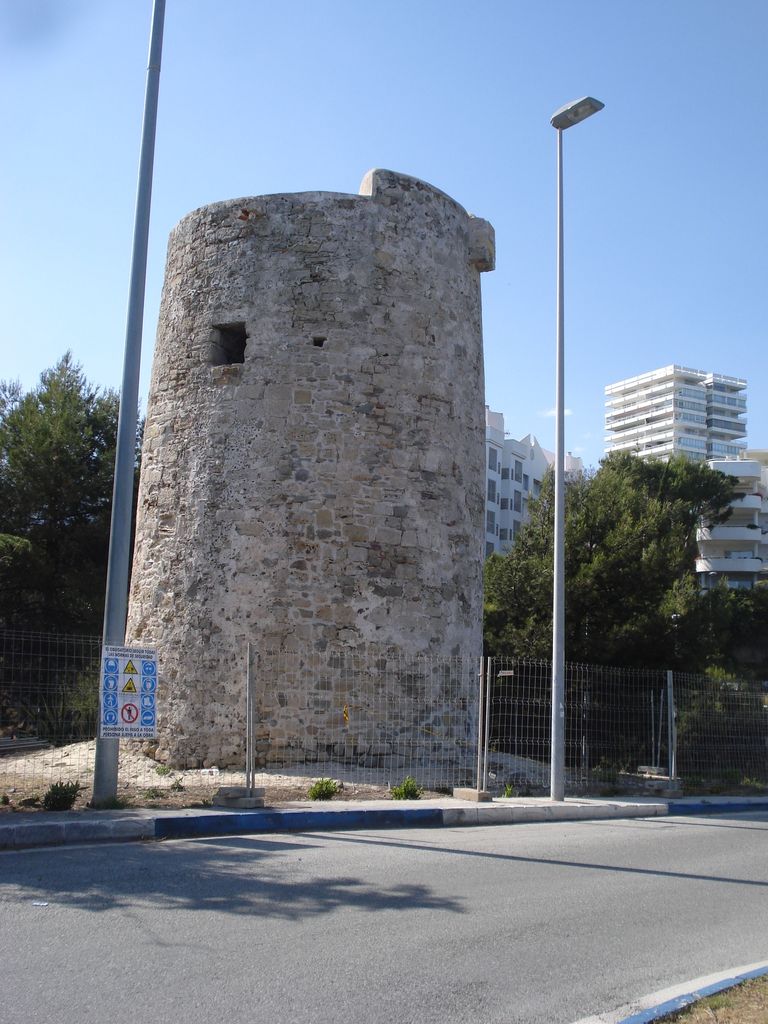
383, 840
233, 875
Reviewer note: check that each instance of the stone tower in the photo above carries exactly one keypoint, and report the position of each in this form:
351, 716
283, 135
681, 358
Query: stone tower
313, 467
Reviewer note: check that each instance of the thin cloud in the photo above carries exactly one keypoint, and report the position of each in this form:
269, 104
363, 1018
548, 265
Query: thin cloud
551, 413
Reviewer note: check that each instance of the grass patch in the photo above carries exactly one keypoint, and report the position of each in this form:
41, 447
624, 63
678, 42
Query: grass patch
744, 1004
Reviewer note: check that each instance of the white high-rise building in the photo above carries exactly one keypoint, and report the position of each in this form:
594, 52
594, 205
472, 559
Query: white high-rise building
737, 550
513, 474
677, 410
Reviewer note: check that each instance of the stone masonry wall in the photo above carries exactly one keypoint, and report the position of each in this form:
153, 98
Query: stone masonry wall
326, 492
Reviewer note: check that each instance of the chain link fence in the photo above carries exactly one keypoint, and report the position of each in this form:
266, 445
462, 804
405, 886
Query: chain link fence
375, 716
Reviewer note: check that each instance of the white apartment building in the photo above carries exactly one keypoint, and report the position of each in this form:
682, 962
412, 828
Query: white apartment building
737, 550
675, 410
513, 473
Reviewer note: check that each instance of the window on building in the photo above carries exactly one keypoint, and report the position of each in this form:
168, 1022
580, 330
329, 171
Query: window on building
515, 528
503, 534
227, 344
536, 488
492, 459
526, 482
491, 490
490, 520
518, 471
490, 547
518, 500
505, 503
505, 473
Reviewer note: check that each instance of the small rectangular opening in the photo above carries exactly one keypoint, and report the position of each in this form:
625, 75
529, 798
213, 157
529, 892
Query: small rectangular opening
228, 344
318, 341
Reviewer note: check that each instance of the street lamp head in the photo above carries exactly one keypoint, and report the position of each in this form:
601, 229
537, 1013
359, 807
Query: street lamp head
572, 113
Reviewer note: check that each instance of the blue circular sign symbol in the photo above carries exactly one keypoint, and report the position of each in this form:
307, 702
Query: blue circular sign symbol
148, 684
147, 717
148, 700
111, 665
110, 700
110, 682
149, 668
110, 718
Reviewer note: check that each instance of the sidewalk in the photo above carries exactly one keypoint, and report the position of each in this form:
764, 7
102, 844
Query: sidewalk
20, 830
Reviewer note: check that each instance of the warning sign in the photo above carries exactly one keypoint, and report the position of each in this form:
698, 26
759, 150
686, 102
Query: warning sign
120, 716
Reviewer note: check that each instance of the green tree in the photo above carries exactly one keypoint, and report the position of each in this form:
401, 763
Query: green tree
57, 450
631, 593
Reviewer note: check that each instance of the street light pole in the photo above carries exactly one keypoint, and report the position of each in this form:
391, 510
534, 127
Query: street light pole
563, 118
116, 603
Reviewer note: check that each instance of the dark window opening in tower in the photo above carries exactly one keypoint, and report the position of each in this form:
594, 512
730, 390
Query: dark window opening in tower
228, 344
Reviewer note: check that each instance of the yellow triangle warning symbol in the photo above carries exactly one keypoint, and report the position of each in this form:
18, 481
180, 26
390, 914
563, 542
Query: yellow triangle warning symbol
130, 687
130, 669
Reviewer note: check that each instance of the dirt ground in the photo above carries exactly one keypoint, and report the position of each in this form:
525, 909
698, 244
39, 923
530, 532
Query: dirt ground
24, 779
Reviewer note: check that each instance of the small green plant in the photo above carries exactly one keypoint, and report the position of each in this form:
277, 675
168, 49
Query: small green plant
509, 790
606, 771
117, 803
5, 799
61, 796
409, 789
750, 783
177, 786
153, 793
163, 769
323, 789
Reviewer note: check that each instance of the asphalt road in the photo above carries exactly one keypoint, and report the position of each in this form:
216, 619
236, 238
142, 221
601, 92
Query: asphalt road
520, 923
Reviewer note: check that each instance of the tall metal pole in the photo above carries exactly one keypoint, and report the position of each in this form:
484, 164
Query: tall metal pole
116, 604
557, 769
570, 114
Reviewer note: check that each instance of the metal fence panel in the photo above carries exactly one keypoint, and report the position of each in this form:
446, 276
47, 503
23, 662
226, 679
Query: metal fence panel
722, 729
374, 715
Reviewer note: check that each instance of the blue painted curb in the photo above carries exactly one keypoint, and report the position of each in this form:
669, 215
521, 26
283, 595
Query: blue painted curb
716, 806
296, 821
680, 1002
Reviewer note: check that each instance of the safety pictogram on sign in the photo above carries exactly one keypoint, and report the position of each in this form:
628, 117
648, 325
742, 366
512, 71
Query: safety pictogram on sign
129, 713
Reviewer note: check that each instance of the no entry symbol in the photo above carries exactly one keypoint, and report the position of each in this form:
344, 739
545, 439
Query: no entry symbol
129, 713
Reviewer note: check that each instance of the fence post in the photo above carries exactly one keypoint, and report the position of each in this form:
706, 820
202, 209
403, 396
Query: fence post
487, 720
671, 727
480, 724
248, 721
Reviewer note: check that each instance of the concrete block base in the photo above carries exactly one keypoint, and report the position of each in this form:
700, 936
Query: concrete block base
240, 797
481, 796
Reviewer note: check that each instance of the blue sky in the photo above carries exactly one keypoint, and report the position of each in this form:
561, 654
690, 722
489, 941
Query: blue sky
666, 209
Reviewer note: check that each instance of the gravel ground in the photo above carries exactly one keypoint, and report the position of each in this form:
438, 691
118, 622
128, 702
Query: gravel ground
24, 778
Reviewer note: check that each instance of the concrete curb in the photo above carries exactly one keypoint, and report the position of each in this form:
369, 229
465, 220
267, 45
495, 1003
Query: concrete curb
718, 806
114, 826
297, 821
660, 1004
